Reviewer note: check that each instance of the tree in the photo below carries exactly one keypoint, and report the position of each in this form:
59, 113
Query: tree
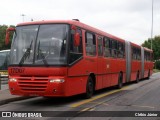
156, 49
155, 46
2, 37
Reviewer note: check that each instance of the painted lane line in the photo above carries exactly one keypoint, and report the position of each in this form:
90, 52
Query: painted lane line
97, 97
143, 106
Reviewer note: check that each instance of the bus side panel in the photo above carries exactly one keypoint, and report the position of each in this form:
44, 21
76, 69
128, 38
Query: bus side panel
147, 67
116, 66
76, 85
107, 77
136, 66
107, 80
112, 68
122, 67
148, 64
151, 65
151, 68
113, 72
78, 75
100, 72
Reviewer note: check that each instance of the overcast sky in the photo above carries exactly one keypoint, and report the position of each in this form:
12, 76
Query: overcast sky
127, 19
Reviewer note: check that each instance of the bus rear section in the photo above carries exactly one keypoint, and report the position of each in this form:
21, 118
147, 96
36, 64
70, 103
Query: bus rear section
148, 63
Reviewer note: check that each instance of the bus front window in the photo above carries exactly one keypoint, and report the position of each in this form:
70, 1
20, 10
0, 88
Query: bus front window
40, 45
51, 44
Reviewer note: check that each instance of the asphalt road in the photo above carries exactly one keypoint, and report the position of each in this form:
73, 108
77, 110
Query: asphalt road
4, 83
142, 96
4, 87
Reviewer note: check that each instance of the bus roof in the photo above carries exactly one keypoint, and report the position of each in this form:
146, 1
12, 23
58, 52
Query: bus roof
79, 24
148, 49
74, 22
135, 45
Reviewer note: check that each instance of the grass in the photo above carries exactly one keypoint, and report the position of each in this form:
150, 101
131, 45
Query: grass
156, 70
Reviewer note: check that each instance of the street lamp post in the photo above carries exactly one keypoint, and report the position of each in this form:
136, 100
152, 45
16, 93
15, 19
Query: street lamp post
152, 25
23, 16
0, 81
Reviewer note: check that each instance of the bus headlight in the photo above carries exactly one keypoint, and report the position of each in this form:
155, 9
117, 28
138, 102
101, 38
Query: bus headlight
12, 79
57, 80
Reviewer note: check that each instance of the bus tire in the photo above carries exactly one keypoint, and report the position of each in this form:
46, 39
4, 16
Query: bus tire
120, 81
148, 75
89, 88
137, 78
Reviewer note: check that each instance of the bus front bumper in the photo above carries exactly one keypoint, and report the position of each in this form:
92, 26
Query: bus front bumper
53, 87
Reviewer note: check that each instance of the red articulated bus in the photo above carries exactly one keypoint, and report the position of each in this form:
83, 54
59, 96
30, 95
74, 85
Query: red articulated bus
67, 57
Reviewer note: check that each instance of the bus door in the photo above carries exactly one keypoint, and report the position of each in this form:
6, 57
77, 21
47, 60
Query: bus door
100, 66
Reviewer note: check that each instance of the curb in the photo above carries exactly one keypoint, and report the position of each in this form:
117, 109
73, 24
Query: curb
9, 98
6, 101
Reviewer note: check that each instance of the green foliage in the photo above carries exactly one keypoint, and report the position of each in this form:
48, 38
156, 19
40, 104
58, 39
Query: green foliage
156, 49
155, 46
157, 64
156, 70
2, 37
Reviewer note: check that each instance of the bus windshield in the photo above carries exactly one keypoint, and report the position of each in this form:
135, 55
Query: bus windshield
39, 45
4, 59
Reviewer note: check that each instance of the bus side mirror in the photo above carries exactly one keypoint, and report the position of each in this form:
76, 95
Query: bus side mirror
76, 39
7, 34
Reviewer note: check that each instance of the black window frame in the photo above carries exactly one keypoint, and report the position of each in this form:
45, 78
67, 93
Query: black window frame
136, 53
120, 49
92, 46
107, 49
100, 45
114, 48
77, 52
147, 56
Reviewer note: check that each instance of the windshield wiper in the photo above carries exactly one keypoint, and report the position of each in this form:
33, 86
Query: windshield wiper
43, 58
26, 54
42, 55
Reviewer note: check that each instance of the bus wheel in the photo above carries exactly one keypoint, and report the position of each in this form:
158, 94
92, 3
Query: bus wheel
89, 88
148, 74
120, 81
137, 78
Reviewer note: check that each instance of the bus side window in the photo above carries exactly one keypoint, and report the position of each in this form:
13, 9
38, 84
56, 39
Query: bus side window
139, 54
76, 52
123, 50
90, 44
114, 48
100, 46
107, 47
151, 55
120, 50
146, 56
134, 57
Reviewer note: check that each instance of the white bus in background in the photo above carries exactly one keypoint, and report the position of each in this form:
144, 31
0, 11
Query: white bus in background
4, 62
